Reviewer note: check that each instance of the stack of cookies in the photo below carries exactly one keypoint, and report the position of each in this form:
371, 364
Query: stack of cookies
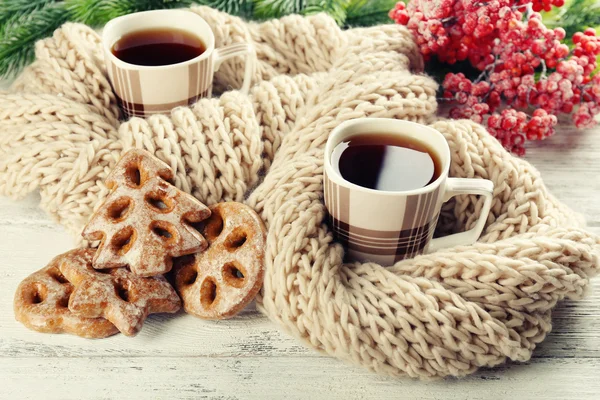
148, 231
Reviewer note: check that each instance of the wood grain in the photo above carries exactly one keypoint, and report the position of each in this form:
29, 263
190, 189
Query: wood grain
250, 358
282, 378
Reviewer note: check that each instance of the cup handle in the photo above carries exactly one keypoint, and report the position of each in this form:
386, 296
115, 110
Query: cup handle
237, 49
454, 187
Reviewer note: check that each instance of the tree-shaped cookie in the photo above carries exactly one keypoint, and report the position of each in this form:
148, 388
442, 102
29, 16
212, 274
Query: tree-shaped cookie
145, 221
118, 295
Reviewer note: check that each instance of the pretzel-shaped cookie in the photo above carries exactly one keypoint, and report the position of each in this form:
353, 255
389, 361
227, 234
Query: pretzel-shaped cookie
41, 301
221, 281
145, 221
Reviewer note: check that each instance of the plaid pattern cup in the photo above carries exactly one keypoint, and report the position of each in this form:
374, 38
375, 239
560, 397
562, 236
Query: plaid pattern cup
385, 226
145, 90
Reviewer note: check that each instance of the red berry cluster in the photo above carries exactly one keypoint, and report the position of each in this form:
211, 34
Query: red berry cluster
545, 5
523, 65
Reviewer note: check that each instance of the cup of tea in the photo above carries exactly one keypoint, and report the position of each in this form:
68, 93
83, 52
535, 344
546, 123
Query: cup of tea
385, 181
158, 60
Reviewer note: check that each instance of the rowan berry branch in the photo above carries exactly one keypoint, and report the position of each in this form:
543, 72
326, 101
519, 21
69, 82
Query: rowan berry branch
525, 74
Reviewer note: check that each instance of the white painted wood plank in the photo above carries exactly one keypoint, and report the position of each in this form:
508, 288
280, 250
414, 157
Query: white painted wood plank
25, 211
282, 378
570, 165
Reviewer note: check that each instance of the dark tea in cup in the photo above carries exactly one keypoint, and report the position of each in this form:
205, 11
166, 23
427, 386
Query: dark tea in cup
158, 46
386, 162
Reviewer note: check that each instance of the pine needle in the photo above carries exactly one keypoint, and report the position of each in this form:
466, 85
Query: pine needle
240, 8
10, 9
264, 9
335, 8
368, 12
99, 12
20, 33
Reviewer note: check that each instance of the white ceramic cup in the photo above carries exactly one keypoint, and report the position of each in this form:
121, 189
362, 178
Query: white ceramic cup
145, 90
388, 226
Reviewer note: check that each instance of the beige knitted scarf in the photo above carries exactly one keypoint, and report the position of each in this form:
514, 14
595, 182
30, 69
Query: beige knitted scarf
440, 314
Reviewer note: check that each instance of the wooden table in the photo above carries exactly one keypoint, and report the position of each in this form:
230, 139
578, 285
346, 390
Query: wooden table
179, 356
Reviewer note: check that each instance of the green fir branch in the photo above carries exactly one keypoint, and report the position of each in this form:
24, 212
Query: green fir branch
11, 9
240, 8
369, 12
19, 34
99, 12
335, 8
574, 16
264, 9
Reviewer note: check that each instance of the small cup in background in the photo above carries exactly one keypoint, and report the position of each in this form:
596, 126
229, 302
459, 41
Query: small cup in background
146, 90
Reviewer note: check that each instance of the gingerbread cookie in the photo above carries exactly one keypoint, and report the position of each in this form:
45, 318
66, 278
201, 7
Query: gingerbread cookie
221, 281
145, 221
118, 295
42, 298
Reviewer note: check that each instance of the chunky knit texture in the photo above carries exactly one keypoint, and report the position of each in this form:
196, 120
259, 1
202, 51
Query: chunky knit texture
440, 314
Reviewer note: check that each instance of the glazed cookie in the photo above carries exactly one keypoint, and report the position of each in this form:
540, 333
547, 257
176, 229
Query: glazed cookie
42, 298
145, 221
221, 281
118, 295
